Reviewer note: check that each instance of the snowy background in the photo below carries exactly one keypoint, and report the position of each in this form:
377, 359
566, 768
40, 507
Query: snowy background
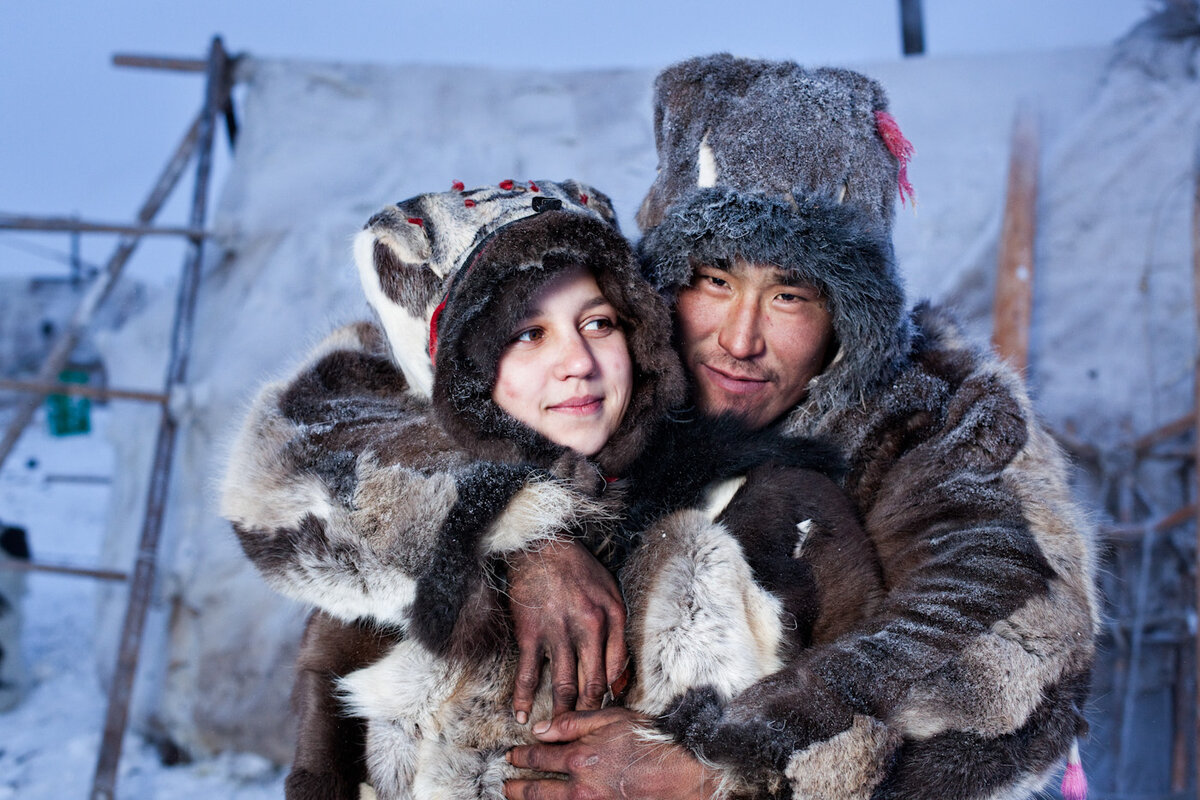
77, 145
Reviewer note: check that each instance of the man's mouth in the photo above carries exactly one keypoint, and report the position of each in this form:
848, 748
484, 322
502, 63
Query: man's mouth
734, 382
580, 406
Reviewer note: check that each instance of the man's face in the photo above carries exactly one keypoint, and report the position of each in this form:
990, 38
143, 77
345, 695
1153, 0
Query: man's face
751, 339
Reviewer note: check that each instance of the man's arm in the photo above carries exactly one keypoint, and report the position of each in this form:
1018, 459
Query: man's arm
971, 673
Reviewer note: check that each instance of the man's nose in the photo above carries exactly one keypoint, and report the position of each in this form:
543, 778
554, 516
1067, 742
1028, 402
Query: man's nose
741, 330
575, 358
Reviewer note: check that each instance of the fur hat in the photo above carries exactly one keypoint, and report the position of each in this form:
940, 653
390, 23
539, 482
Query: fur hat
776, 128
776, 164
453, 272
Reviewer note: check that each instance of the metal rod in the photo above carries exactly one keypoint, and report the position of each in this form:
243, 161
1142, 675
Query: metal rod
912, 28
13, 222
62, 569
160, 62
121, 691
65, 344
81, 390
1013, 310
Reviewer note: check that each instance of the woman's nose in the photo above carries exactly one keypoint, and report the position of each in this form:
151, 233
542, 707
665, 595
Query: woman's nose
575, 358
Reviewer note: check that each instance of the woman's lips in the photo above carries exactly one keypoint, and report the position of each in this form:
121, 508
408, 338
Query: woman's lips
581, 406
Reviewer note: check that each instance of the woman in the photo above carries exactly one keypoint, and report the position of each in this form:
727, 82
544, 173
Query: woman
552, 374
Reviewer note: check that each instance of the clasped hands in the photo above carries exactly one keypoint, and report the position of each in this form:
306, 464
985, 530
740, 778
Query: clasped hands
567, 608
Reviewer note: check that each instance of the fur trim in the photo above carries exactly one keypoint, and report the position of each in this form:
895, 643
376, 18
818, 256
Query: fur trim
489, 300
772, 127
817, 241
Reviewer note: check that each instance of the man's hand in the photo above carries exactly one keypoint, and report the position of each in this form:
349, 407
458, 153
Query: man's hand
601, 757
565, 607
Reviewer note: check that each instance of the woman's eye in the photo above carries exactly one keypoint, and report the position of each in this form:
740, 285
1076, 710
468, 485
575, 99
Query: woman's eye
529, 335
599, 324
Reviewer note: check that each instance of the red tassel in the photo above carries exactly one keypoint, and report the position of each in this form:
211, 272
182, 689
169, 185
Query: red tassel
1074, 782
433, 321
469, 203
583, 199
533, 187
506, 185
420, 223
899, 147
457, 186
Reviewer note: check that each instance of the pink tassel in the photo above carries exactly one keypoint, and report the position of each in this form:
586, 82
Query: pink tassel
1074, 782
899, 147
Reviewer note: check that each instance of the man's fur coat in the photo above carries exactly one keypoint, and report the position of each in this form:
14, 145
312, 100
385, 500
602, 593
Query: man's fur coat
969, 679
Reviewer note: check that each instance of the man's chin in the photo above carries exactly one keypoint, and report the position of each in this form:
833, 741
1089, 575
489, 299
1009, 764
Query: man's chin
751, 409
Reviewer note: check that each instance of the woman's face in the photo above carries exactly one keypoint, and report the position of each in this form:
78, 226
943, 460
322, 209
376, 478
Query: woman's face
566, 371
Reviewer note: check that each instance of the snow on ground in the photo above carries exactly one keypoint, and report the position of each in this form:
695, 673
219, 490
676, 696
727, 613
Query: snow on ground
58, 490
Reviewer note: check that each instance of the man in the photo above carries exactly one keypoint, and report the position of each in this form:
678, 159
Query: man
969, 680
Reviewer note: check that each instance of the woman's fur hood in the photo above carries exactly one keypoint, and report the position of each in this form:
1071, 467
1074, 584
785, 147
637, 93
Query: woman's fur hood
453, 273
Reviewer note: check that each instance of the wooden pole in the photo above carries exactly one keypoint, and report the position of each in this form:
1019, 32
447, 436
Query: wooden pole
63, 569
120, 692
160, 62
65, 344
13, 222
1196, 465
82, 390
1013, 310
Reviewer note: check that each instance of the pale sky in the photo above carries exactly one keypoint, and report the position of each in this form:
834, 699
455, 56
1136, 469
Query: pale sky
82, 136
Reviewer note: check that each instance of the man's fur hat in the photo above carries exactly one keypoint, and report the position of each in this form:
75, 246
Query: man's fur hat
450, 275
776, 164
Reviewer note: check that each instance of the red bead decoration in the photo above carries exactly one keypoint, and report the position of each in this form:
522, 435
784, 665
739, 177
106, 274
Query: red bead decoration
458, 186
506, 184
420, 223
583, 199
469, 203
533, 187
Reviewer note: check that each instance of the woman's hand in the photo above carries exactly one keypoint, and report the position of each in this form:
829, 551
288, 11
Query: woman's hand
566, 607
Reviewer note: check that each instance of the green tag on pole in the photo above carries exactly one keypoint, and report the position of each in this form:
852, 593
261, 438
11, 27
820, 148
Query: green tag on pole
66, 414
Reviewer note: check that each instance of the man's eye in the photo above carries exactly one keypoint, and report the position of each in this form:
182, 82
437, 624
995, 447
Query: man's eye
714, 280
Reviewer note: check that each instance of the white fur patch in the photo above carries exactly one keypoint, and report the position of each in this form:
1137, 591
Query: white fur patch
802, 531
707, 622
408, 336
706, 165
409, 683
541, 510
718, 496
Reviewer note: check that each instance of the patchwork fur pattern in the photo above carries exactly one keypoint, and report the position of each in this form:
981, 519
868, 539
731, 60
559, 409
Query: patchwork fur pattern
967, 678
977, 657
438, 725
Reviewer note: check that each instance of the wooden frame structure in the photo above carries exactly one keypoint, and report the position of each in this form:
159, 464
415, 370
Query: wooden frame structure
197, 144
1012, 317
